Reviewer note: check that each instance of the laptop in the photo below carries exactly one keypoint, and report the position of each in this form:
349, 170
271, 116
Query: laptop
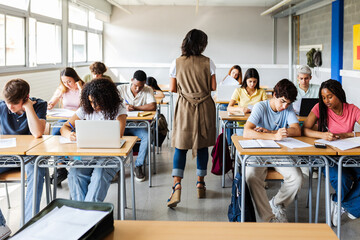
306, 105
224, 93
98, 134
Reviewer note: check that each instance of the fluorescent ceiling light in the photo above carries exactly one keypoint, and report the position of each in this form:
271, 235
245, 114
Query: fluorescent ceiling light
273, 8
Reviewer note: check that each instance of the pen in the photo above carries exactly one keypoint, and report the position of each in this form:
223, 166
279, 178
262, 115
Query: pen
277, 125
127, 101
72, 127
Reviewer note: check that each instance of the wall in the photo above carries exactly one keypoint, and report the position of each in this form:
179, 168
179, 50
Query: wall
151, 37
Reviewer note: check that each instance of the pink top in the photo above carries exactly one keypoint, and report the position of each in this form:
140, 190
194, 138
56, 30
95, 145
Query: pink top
70, 99
341, 124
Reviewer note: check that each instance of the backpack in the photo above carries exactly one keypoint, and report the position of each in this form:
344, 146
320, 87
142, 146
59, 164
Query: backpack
310, 57
163, 129
217, 155
234, 212
317, 59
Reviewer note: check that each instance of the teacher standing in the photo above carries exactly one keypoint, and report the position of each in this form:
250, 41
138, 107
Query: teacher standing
192, 76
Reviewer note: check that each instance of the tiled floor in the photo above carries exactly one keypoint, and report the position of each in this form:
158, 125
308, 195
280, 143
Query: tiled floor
151, 202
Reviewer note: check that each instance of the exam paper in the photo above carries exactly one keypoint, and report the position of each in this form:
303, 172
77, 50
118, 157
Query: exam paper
60, 112
229, 80
342, 144
293, 143
133, 113
64, 140
62, 223
7, 142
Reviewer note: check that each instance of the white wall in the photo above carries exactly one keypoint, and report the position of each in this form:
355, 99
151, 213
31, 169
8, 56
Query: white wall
153, 35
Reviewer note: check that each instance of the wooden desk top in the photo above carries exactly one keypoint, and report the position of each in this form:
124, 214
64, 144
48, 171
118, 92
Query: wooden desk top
349, 152
164, 87
225, 116
52, 147
175, 230
146, 118
308, 151
23, 144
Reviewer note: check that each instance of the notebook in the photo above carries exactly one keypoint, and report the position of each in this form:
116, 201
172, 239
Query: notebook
98, 134
306, 105
224, 93
258, 143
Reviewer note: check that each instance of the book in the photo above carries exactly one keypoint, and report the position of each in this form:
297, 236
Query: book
258, 143
236, 114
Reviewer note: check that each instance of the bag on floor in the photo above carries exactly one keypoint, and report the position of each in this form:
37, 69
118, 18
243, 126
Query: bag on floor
217, 155
234, 213
162, 128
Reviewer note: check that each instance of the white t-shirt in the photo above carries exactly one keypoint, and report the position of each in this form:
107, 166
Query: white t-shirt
145, 96
172, 72
98, 115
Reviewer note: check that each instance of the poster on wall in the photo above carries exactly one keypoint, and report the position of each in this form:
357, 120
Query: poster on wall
356, 47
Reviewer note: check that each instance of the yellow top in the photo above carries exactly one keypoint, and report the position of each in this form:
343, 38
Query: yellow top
243, 99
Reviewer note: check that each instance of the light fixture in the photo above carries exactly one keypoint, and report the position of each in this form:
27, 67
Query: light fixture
273, 8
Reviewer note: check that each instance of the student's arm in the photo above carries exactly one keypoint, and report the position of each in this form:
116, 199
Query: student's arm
213, 82
66, 130
36, 125
309, 130
251, 131
55, 98
122, 119
79, 85
172, 85
233, 108
294, 130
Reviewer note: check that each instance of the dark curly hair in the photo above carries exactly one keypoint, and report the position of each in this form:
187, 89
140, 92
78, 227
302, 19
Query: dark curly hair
336, 88
194, 43
285, 88
104, 95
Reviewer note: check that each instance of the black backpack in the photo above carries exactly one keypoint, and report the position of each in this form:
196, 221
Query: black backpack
234, 212
314, 58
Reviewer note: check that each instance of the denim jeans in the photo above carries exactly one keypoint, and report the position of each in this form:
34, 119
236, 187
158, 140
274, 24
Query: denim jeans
90, 184
56, 130
5, 169
29, 168
350, 189
180, 161
2, 219
229, 131
141, 133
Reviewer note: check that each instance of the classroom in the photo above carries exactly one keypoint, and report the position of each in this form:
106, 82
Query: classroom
59, 46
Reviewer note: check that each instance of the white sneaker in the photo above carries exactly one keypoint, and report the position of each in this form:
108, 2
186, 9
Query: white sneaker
350, 215
279, 211
4, 232
334, 211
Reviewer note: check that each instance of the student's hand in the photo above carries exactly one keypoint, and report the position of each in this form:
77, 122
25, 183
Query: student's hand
281, 133
343, 135
50, 105
73, 136
329, 136
27, 104
78, 85
245, 110
130, 107
263, 130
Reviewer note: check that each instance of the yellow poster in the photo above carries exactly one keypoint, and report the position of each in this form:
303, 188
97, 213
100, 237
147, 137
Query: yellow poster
356, 47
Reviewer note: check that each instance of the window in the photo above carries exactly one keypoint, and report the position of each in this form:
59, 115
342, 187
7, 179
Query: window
94, 47
44, 38
15, 41
20, 4
94, 23
78, 15
2, 40
49, 8
77, 46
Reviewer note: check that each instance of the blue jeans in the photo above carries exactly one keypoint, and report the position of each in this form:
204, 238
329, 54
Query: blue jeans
229, 131
56, 130
2, 219
29, 168
141, 133
350, 189
90, 184
180, 161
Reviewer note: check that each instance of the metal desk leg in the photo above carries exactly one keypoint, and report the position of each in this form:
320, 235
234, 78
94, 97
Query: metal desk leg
122, 190
339, 195
318, 195
22, 195
153, 152
132, 183
223, 155
243, 167
327, 191
310, 194
149, 150
35, 183
171, 109
217, 118
157, 131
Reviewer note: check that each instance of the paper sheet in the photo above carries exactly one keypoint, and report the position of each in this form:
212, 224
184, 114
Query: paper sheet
7, 142
133, 113
342, 144
60, 112
229, 80
63, 223
64, 140
293, 143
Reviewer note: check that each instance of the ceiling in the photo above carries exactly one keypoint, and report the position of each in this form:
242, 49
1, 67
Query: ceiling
248, 3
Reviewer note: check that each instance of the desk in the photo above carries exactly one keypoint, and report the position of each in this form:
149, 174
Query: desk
166, 89
243, 157
146, 122
217, 105
174, 230
23, 144
52, 147
348, 158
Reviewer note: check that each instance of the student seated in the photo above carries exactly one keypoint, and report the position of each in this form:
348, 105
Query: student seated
4, 229
100, 100
97, 70
21, 115
151, 82
330, 119
138, 97
304, 87
274, 119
